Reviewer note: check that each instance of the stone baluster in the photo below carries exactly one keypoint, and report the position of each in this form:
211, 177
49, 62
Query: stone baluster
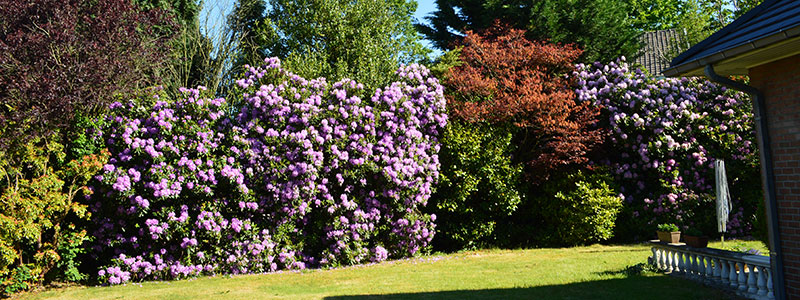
750, 275
701, 266
669, 258
732, 280
741, 276
700, 269
724, 276
655, 260
752, 288
762, 281
770, 293
719, 270
670, 261
660, 259
685, 264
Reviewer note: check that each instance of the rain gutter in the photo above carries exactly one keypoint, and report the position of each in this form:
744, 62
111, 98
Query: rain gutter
767, 178
748, 46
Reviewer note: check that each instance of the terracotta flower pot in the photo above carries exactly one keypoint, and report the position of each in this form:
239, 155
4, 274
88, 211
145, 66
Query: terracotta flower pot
696, 241
669, 237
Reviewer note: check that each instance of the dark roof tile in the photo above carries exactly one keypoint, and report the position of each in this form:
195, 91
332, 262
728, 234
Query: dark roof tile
659, 47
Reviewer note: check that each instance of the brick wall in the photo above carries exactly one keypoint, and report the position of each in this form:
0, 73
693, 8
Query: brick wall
780, 83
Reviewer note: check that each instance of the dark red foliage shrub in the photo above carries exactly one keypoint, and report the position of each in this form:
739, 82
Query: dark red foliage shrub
508, 79
61, 58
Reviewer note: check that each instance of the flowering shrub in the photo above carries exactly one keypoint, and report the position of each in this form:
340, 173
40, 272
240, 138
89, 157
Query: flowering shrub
665, 136
304, 174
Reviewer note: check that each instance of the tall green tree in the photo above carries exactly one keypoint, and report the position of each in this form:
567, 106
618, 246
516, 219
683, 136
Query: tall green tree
183, 12
364, 40
649, 15
695, 20
247, 23
743, 6
603, 28
194, 59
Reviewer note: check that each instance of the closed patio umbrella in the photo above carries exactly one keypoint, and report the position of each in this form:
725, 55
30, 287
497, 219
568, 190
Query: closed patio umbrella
723, 197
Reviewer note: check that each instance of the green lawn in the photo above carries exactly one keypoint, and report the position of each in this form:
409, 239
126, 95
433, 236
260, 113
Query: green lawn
593, 272
734, 245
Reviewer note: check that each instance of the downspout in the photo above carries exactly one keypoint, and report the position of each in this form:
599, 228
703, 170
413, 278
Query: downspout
767, 179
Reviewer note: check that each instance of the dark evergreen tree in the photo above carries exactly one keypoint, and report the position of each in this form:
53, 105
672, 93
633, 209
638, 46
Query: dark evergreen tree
603, 28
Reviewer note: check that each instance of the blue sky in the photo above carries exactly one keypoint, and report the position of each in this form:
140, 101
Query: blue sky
424, 7
215, 10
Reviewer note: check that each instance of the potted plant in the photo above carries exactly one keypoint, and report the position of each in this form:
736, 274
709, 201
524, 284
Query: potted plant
668, 233
695, 238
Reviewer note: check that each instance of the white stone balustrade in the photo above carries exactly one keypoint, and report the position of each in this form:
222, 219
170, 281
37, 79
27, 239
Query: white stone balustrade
747, 275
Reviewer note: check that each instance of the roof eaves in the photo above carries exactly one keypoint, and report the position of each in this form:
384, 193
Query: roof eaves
732, 52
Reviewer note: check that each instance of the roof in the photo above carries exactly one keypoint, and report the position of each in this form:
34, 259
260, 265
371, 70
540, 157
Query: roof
659, 46
766, 33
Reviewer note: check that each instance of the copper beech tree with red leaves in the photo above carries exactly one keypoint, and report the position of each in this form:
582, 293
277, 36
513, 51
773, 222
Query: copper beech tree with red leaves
507, 79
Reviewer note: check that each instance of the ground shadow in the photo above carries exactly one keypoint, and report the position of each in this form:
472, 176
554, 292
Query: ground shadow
612, 250
632, 287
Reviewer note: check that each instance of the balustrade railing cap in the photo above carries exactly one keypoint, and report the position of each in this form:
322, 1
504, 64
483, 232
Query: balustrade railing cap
757, 259
707, 251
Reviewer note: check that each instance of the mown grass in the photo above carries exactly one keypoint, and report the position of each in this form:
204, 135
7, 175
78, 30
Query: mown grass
741, 245
593, 272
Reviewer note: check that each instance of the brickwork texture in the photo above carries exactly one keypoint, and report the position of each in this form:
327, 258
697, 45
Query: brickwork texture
780, 83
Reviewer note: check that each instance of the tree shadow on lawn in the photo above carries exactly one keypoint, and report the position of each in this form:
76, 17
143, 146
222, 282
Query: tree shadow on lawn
632, 287
613, 250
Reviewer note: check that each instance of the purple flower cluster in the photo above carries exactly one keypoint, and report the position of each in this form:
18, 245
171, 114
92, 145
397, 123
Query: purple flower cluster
346, 168
304, 174
666, 134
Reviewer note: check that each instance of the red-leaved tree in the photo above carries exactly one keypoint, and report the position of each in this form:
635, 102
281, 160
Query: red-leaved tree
59, 58
505, 79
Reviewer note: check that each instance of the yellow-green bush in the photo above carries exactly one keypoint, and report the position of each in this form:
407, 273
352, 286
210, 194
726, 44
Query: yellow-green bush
37, 189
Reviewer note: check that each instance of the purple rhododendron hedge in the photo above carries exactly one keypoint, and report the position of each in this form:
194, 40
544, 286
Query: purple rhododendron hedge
300, 173
666, 135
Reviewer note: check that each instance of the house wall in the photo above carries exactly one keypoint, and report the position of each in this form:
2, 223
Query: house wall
780, 83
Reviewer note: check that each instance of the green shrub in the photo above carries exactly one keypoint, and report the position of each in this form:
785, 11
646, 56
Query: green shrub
668, 227
479, 185
18, 279
578, 209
